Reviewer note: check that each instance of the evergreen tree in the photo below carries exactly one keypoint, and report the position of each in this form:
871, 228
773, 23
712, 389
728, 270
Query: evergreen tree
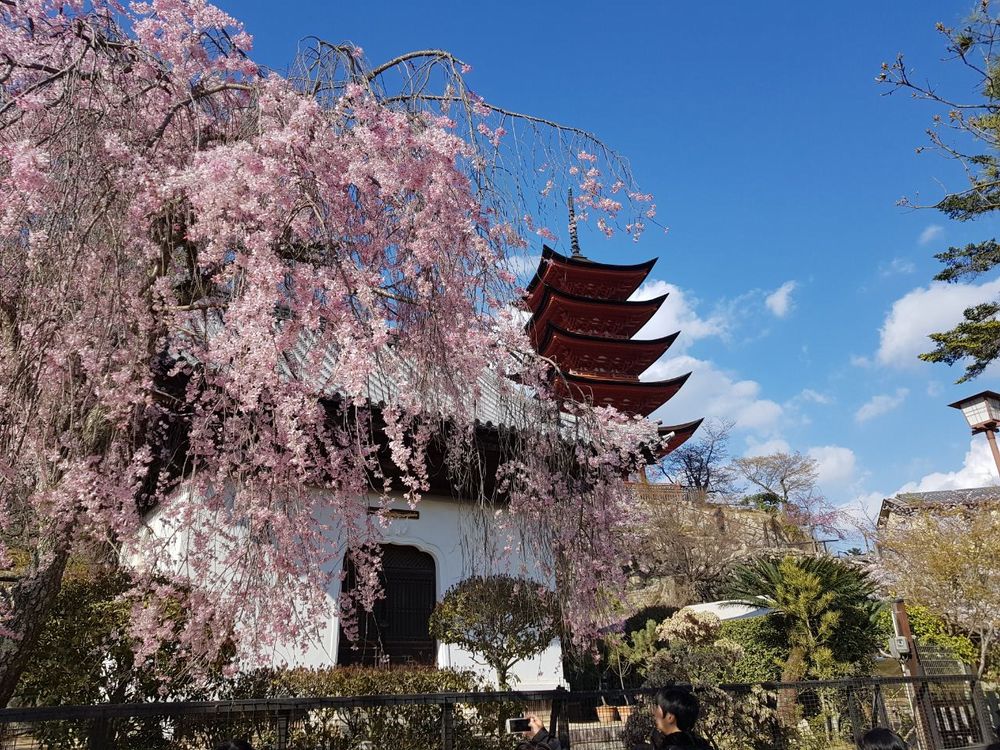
977, 336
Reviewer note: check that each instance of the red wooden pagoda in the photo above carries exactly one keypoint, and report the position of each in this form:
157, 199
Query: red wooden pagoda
582, 319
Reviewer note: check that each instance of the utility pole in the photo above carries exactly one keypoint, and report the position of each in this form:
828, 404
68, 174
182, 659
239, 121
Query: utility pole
920, 697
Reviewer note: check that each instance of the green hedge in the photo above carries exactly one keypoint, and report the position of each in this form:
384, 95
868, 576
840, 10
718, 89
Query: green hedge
406, 727
764, 649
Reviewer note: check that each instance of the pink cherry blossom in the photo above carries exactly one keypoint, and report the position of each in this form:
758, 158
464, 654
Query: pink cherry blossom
233, 315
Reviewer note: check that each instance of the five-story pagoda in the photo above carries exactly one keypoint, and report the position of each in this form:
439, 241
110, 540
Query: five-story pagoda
583, 320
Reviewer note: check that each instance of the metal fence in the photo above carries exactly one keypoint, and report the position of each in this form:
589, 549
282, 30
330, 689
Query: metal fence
934, 713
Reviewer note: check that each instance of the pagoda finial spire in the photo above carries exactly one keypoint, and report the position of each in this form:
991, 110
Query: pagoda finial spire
574, 241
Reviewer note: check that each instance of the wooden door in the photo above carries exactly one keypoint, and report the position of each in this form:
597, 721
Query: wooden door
397, 631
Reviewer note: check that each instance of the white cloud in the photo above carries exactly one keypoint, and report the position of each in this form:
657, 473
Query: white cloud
859, 360
677, 313
766, 447
923, 311
711, 392
930, 233
878, 405
978, 470
779, 302
815, 397
522, 265
835, 464
896, 267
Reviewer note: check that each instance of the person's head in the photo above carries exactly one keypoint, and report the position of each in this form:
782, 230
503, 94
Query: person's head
881, 738
675, 709
234, 745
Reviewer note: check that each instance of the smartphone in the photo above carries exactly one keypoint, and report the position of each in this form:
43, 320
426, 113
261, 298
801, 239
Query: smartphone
520, 724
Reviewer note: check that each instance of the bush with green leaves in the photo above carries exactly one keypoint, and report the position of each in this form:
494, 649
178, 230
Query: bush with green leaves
407, 727
84, 655
500, 618
826, 609
764, 648
695, 653
930, 629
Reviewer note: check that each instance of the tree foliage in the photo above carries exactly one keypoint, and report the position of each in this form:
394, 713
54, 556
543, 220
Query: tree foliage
825, 608
85, 655
968, 131
232, 303
631, 651
788, 482
695, 651
501, 618
703, 464
948, 561
764, 648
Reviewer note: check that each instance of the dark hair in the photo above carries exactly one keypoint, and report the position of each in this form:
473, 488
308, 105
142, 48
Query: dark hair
683, 704
881, 738
234, 745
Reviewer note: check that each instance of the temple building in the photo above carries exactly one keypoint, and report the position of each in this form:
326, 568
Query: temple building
583, 320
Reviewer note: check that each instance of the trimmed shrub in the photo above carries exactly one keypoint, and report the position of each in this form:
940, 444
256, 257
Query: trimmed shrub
413, 726
502, 618
764, 649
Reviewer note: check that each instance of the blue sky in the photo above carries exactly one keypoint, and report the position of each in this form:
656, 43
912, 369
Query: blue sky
802, 290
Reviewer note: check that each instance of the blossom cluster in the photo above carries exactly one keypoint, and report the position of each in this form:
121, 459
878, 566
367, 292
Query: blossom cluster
227, 307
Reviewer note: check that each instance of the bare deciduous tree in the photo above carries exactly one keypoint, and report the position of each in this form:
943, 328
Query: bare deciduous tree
791, 478
704, 463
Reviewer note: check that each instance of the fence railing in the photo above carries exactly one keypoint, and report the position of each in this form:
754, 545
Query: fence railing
934, 713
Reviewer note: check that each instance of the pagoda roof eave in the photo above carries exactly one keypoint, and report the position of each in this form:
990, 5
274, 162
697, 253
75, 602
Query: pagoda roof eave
552, 330
551, 256
628, 396
681, 434
550, 295
616, 357
551, 259
641, 384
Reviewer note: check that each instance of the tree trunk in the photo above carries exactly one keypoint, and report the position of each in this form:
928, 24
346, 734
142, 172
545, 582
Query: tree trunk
788, 698
30, 600
985, 646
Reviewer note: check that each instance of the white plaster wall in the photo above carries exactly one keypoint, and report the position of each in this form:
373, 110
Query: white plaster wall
439, 531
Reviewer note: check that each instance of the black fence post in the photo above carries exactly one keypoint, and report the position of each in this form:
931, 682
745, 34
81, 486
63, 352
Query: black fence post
857, 723
880, 714
556, 722
982, 711
97, 734
447, 726
282, 722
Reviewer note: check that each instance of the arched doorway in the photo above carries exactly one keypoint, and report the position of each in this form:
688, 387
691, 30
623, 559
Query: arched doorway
397, 631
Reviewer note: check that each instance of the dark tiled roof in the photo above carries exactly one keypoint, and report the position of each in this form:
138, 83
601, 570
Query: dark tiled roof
970, 496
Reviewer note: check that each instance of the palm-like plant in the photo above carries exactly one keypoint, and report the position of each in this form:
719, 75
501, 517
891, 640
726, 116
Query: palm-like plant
827, 609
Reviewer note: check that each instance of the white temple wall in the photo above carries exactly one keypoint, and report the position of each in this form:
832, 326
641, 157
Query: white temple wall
446, 530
